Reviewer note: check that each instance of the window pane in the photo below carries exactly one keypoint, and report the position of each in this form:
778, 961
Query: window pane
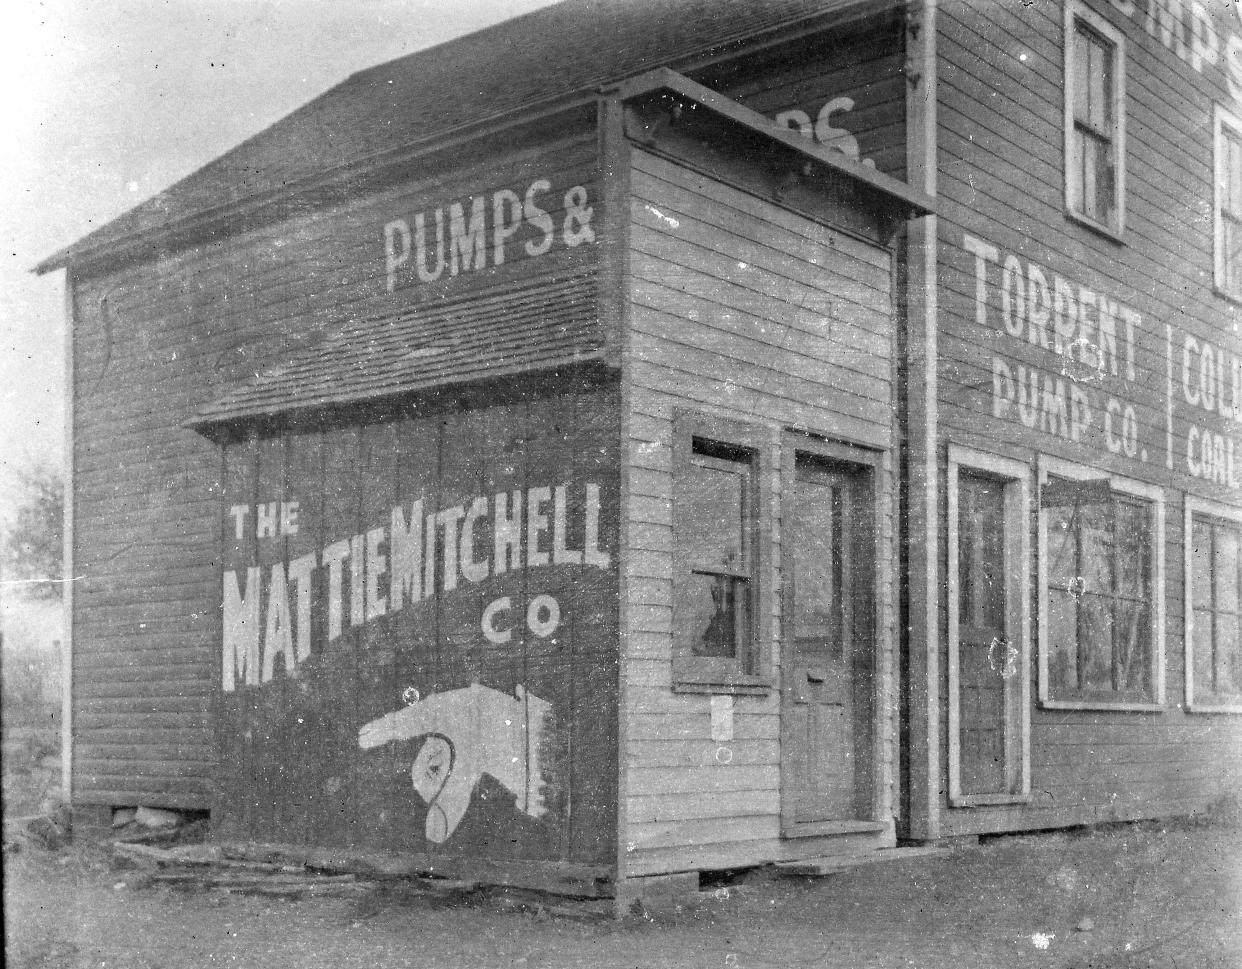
815, 525
1081, 72
1063, 642
1095, 529
1232, 241
1131, 645
1201, 565
1100, 81
1204, 661
1133, 539
710, 507
1225, 569
1095, 643
1074, 188
1090, 176
981, 551
717, 613
1233, 174
1062, 546
1228, 667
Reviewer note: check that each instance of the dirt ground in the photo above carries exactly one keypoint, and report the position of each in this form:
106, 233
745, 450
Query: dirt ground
1143, 895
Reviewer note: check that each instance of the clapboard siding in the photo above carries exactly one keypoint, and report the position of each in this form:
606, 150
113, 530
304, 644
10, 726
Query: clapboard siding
155, 341
1001, 181
863, 63
745, 310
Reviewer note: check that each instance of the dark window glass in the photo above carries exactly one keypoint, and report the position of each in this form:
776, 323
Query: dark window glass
1093, 138
714, 525
1216, 597
1100, 575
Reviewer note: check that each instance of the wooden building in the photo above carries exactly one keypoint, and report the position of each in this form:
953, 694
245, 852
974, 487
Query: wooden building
656, 436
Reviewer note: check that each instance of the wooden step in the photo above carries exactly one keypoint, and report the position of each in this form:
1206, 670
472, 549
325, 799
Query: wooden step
822, 865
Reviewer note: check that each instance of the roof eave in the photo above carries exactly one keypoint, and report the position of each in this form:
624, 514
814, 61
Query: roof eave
917, 203
201, 222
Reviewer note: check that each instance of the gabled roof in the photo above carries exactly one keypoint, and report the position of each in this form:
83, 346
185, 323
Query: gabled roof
544, 324
541, 59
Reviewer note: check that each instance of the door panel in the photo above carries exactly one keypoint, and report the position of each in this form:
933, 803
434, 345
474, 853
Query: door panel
827, 644
983, 651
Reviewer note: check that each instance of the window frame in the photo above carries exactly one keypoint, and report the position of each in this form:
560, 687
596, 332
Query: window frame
714, 674
1017, 477
1077, 12
1132, 488
1222, 119
1203, 508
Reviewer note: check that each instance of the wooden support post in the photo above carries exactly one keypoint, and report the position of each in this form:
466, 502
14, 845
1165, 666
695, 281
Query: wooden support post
614, 288
923, 627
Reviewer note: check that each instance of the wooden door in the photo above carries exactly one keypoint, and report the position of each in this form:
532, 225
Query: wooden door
985, 659
825, 685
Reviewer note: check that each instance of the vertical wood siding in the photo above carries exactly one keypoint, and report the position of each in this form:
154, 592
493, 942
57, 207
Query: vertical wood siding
1001, 181
154, 342
743, 310
535, 782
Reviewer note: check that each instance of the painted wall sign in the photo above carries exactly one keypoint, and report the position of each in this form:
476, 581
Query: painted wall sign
1206, 36
466, 236
377, 572
823, 130
419, 624
1101, 355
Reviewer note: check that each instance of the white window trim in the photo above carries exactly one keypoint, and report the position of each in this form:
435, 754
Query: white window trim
1077, 10
1017, 621
1214, 509
1221, 119
1136, 489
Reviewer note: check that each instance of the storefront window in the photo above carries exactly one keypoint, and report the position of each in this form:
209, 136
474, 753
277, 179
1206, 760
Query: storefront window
1214, 616
1102, 622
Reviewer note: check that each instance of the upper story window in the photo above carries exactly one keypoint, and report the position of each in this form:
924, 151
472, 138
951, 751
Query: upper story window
1094, 120
1228, 204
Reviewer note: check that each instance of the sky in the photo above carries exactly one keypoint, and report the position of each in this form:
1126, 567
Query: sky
110, 101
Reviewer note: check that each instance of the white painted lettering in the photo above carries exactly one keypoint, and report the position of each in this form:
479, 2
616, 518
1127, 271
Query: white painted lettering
467, 241
377, 566
239, 513
539, 218
241, 629
396, 249
334, 556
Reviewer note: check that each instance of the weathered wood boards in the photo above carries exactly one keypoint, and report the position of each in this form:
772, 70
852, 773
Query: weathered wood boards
155, 341
1071, 349
419, 632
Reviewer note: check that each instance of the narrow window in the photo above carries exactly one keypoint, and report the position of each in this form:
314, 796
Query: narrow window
714, 510
1228, 204
717, 556
1094, 120
989, 628
1102, 601
1214, 609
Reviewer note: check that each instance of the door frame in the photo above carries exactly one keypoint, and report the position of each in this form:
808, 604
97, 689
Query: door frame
1016, 476
874, 464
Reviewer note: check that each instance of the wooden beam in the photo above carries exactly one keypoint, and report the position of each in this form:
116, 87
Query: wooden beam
914, 199
922, 711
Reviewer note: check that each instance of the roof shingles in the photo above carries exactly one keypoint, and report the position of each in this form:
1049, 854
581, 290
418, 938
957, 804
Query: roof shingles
537, 326
544, 56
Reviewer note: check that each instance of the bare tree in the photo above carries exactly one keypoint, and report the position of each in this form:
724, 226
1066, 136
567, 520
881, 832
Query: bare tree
33, 541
